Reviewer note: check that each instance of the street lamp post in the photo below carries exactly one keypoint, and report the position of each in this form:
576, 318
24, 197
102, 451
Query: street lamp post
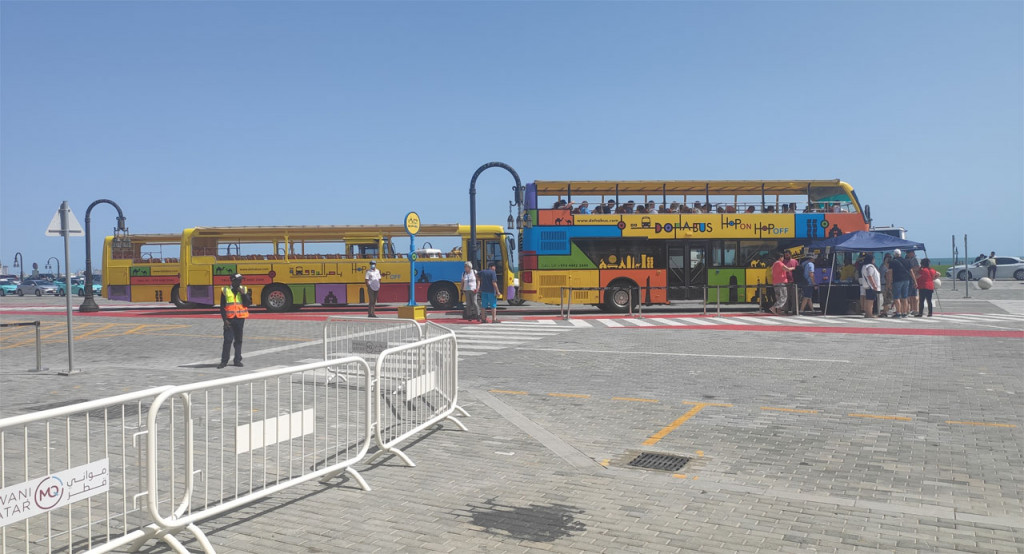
518, 190
120, 234
19, 262
58, 265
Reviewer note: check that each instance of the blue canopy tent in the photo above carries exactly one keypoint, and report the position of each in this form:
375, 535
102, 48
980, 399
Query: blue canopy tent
861, 241
866, 241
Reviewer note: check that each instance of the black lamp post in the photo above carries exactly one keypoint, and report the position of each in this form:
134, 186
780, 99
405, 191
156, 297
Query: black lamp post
120, 234
19, 262
58, 265
517, 189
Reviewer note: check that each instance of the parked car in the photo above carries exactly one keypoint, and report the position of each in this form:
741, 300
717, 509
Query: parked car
37, 287
8, 286
1007, 267
78, 287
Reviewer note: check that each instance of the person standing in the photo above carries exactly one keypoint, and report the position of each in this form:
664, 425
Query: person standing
372, 279
488, 281
915, 266
792, 264
471, 310
926, 286
900, 283
872, 284
234, 310
809, 284
780, 276
992, 266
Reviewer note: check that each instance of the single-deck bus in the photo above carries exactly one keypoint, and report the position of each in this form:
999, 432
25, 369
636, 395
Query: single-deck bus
666, 240
288, 267
142, 268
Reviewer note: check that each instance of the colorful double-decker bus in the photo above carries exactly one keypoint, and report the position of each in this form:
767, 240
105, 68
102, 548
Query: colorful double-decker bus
657, 241
289, 267
142, 268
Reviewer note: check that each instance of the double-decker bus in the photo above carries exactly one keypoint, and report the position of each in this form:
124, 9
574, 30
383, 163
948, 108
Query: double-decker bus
657, 241
142, 268
288, 267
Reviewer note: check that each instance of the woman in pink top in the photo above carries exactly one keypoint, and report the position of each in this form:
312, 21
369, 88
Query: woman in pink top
780, 276
925, 286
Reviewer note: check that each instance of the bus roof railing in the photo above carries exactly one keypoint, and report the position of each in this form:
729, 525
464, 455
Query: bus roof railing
338, 231
556, 188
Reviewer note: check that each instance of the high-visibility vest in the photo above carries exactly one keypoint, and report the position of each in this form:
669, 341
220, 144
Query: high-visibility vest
233, 306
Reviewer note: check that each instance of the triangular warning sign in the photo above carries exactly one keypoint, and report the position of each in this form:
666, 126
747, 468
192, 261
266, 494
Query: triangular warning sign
74, 227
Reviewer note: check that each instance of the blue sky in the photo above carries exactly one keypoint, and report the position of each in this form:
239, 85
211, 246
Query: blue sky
282, 113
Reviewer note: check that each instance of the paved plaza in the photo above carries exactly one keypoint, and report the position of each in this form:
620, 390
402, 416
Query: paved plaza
794, 433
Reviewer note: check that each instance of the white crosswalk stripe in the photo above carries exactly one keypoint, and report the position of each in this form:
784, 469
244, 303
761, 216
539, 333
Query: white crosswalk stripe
475, 340
806, 321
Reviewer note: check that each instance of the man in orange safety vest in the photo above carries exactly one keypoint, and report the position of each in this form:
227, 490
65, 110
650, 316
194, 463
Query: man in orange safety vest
234, 309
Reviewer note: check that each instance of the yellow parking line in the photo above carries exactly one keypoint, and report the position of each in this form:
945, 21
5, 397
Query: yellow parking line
566, 395
692, 403
697, 407
94, 331
791, 410
627, 399
897, 418
1010, 425
496, 391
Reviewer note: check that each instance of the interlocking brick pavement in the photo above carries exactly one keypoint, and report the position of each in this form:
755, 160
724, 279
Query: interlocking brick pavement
802, 441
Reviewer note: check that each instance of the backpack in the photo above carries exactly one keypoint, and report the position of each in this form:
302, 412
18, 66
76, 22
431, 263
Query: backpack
799, 275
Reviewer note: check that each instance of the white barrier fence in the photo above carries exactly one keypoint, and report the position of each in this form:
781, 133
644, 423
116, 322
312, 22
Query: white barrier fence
249, 436
416, 374
73, 478
118, 472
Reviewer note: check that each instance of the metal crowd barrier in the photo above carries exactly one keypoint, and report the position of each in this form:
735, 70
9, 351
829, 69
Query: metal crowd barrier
73, 478
250, 436
214, 446
565, 306
417, 387
39, 342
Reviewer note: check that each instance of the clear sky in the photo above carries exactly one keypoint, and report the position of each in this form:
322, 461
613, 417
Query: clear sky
288, 113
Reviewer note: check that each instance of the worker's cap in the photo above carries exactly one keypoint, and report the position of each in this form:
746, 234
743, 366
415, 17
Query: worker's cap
896, 252
373, 262
236, 277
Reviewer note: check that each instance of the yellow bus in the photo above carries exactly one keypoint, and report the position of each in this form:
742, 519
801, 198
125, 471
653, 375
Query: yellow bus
289, 267
142, 268
656, 241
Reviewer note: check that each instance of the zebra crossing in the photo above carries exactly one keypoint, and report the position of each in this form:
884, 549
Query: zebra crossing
476, 340
759, 320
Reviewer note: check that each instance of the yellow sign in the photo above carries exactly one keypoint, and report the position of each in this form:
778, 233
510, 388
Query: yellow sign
412, 223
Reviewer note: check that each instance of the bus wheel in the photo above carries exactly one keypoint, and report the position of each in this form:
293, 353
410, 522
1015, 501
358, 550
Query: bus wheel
443, 296
277, 298
175, 298
617, 296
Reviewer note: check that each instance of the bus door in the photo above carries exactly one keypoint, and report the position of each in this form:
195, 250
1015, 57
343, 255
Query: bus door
687, 267
490, 251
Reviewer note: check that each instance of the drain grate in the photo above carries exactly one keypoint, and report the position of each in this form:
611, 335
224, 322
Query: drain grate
663, 462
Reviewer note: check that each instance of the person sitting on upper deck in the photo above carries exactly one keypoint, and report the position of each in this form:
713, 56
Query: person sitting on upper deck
641, 209
697, 209
719, 209
792, 207
583, 208
750, 209
559, 204
673, 208
651, 208
769, 209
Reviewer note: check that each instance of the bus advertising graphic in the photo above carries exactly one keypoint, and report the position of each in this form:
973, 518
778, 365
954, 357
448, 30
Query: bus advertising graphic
673, 239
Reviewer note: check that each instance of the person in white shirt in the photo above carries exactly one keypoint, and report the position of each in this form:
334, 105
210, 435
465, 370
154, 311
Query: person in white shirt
469, 287
372, 287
